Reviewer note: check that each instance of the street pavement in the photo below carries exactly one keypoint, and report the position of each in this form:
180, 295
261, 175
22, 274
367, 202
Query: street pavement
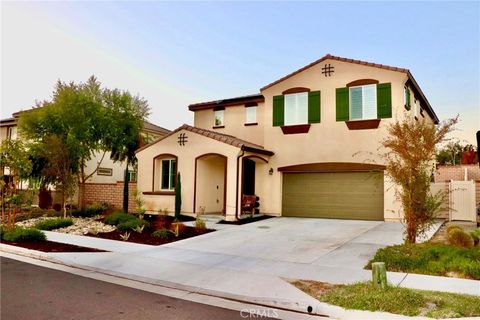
32, 292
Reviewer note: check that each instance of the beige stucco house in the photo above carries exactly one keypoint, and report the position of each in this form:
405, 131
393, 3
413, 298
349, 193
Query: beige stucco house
306, 145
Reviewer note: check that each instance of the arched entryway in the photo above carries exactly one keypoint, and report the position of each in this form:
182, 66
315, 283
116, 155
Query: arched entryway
210, 183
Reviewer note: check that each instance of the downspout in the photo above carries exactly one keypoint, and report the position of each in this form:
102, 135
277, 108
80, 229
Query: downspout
238, 173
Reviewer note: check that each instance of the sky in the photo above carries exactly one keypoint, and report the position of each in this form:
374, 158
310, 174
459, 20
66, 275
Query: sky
177, 53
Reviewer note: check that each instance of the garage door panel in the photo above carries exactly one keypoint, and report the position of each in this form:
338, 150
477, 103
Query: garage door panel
349, 195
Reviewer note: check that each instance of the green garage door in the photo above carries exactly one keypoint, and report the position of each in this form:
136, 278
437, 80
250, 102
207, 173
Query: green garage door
339, 195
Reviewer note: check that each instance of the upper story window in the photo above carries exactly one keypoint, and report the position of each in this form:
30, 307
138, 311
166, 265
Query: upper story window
406, 97
165, 173
296, 108
219, 118
251, 114
12, 132
363, 102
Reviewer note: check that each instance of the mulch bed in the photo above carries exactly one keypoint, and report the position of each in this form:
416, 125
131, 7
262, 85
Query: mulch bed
246, 220
146, 238
50, 246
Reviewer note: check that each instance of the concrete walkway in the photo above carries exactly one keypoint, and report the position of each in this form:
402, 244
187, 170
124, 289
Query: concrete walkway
244, 269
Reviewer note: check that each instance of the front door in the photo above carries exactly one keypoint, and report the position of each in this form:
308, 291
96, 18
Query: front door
248, 177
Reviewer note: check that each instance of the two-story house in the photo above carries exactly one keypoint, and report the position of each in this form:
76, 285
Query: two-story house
306, 145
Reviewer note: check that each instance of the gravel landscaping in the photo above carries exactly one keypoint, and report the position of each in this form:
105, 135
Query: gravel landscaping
81, 226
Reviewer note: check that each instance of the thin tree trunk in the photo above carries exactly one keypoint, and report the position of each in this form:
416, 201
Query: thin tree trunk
125, 189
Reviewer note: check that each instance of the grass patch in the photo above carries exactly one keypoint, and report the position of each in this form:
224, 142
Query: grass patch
51, 224
409, 302
432, 259
131, 224
19, 234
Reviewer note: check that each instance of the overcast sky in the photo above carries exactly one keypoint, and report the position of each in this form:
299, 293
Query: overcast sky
174, 54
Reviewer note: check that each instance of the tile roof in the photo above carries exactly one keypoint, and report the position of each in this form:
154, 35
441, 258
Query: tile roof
225, 138
329, 56
153, 127
257, 97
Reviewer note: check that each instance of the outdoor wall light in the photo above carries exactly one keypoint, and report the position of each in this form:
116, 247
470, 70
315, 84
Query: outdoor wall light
270, 172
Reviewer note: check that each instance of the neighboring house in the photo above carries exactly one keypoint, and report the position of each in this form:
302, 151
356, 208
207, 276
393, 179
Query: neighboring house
306, 145
106, 185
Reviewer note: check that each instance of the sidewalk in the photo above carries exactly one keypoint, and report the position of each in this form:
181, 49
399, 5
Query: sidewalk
253, 280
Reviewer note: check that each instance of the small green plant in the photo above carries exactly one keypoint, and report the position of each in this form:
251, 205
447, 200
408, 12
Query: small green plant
475, 236
162, 233
18, 234
200, 224
131, 224
460, 238
125, 236
139, 229
118, 217
51, 224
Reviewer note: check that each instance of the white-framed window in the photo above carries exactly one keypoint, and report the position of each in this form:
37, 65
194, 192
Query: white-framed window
296, 108
132, 176
168, 172
219, 118
363, 102
251, 114
104, 172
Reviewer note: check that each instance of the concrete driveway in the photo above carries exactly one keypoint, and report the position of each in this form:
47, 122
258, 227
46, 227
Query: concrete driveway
322, 242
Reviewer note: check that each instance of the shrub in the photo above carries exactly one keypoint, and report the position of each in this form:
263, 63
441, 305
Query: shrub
53, 213
453, 227
19, 234
460, 238
200, 224
51, 224
475, 236
162, 233
131, 224
118, 217
91, 210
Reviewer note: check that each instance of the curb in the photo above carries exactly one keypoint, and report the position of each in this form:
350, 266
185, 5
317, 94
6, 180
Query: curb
321, 309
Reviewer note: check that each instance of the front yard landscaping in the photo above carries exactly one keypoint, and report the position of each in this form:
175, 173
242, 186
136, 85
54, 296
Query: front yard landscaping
409, 302
453, 252
100, 222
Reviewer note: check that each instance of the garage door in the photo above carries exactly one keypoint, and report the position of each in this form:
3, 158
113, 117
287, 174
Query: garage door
345, 195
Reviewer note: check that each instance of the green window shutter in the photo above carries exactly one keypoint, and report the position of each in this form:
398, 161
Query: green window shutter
384, 100
407, 105
341, 103
314, 107
278, 111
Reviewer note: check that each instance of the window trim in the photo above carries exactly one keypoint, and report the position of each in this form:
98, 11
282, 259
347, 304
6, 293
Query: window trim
156, 180
363, 118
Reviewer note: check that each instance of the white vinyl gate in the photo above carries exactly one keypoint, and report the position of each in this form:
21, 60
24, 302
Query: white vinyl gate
461, 198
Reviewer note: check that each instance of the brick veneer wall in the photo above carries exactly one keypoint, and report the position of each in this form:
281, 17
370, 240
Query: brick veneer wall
111, 193
447, 173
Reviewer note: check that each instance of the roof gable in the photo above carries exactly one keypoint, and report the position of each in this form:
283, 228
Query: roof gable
225, 138
411, 79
